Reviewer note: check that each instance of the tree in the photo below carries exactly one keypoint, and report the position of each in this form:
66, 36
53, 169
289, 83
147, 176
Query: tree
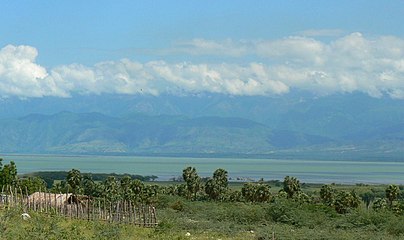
137, 188
379, 204
31, 184
111, 189
248, 192
327, 195
90, 188
8, 174
345, 201
262, 192
217, 186
234, 196
74, 179
302, 197
211, 189
192, 181
153, 178
256, 192
57, 188
126, 188
181, 190
291, 186
150, 193
392, 192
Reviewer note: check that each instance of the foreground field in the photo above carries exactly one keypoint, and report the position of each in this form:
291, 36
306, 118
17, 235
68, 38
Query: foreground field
208, 208
184, 219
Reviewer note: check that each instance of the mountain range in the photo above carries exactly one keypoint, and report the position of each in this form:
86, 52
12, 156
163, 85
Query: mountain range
348, 126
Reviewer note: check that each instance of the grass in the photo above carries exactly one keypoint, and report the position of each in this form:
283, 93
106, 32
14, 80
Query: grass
215, 220
177, 217
41, 226
287, 219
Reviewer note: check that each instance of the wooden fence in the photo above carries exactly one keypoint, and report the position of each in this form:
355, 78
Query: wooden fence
80, 207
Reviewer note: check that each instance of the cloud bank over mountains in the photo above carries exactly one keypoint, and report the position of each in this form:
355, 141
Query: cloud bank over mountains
373, 65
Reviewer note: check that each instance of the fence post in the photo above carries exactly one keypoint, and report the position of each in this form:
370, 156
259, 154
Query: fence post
145, 215
88, 208
2, 195
10, 202
154, 216
46, 200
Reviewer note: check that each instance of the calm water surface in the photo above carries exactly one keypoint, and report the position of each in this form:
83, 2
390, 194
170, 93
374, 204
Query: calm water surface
168, 167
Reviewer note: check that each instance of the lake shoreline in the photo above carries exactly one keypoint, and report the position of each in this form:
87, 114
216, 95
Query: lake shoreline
313, 171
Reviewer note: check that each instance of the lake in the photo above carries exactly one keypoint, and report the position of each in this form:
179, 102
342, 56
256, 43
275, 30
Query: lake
314, 171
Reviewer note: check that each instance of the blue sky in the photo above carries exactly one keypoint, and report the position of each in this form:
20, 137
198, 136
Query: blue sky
231, 47
92, 31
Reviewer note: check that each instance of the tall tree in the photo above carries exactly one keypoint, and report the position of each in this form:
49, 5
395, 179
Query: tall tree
90, 188
8, 174
327, 194
291, 186
192, 180
392, 192
111, 189
217, 186
137, 189
344, 201
74, 179
127, 193
150, 193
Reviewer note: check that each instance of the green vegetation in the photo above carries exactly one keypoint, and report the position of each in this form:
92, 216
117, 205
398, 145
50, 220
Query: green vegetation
41, 226
50, 177
8, 177
213, 208
217, 186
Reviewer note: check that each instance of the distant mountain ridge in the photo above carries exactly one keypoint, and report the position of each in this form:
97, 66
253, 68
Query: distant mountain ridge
67, 132
297, 126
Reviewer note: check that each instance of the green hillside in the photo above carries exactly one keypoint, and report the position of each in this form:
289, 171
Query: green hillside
334, 127
97, 133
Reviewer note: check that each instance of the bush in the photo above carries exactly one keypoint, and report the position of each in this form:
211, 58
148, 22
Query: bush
178, 206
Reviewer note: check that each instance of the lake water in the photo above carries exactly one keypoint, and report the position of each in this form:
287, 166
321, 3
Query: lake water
314, 171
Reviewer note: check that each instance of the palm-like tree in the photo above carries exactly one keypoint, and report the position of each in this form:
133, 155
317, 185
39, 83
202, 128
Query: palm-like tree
344, 201
248, 192
392, 192
74, 179
137, 189
291, 186
217, 186
90, 188
126, 189
221, 179
111, 189
262, 193
259, 192
327, 194
192, 181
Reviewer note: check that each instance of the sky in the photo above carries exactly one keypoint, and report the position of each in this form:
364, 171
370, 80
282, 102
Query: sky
240, 48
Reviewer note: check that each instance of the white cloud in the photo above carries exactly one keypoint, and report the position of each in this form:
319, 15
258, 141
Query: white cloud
350, 63
155, 77
20, 76
293, 49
